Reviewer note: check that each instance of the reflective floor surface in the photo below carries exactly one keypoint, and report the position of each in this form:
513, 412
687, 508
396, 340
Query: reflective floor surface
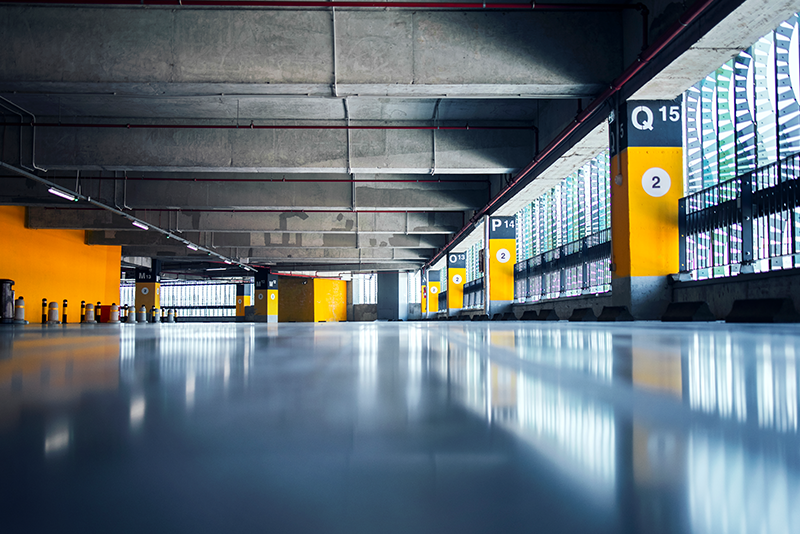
400, 427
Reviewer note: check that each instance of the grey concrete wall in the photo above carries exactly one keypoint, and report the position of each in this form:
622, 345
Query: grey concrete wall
365, 312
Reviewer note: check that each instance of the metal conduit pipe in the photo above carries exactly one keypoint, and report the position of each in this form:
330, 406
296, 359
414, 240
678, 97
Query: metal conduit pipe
275, 180
644, 58
252, 126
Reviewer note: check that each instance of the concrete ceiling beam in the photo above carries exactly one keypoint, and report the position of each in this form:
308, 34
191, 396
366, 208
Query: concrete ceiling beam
407, 48
284, 151
269, 240
346, 222
279, 255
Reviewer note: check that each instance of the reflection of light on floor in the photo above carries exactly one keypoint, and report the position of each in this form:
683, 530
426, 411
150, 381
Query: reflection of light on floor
190, 387
56, 438
137, 411
587, 351
367, 366
581, 429
731, 489
776, 378
716, 376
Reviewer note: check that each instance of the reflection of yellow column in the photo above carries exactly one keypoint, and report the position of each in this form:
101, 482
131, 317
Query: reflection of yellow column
655, 366
502, 250
504, 387
647, 165
456, 275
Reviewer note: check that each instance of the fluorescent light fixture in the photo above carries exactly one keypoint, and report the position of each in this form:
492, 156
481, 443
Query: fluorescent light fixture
229, 263
191, 247
62, 194
217, 269
143, 226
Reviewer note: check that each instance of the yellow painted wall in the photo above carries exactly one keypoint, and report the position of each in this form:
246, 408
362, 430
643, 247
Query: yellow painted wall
295, 299
56, 265
330, 300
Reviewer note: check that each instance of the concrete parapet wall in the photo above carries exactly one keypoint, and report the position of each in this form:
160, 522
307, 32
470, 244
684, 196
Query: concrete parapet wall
721, 293
564, 307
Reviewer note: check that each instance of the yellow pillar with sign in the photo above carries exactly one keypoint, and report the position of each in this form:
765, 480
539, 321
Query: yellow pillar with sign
647, 170
434, 286
501, 237
456, 275
272, 298
424, 293
266, 298
148, 288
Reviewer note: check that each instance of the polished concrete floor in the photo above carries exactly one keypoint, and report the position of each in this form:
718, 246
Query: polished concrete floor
400, 427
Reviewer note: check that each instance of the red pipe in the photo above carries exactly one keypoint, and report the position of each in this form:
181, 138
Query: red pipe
338, 3
644, 58
267, 211
257, 127
265, 180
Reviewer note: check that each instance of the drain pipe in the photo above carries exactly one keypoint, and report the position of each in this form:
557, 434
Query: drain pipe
644, 58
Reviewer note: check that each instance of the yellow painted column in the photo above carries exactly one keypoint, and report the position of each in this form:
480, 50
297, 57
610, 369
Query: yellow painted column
272, 298
148, 288
647, 169
502, 252
424, 293
434, 286
240, 301
456, 275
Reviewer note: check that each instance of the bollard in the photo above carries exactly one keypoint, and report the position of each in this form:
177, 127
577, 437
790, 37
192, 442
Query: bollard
141, 317
83, 311
171, 316
52, 313
44, 311
176, 315
163, 315
131, 318
64, 313
155, 317
7, 301
114, 315
19, 311
90, 314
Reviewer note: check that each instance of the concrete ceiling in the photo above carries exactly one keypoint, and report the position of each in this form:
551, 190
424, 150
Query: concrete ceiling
305, 138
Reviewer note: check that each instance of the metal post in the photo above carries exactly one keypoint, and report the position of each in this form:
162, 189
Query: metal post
746, 211
682, 235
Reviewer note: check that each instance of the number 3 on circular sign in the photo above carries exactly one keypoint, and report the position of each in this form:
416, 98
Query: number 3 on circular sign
656, 182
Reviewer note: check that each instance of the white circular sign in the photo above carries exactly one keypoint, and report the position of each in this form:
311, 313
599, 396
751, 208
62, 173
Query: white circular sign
503, 255
457, 279
656, 182
239, 301
261, 296
145, 291
434, 290
272, 297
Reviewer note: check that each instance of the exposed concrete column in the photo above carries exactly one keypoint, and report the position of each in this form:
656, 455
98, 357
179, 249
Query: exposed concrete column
392, 296
647, 166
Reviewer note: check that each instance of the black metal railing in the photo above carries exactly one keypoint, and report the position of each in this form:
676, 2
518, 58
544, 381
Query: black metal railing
473, 294
748, 224
443, 301
581, 267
